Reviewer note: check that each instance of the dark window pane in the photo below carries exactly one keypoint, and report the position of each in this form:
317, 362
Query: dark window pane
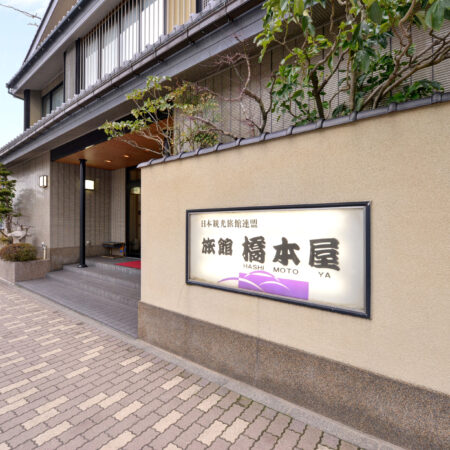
46, 105
134, 174
57, 97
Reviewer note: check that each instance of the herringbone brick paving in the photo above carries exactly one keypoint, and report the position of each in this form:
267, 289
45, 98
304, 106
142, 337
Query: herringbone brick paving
66, 384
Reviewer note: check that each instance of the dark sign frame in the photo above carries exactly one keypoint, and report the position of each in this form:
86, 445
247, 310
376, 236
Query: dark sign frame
366, 205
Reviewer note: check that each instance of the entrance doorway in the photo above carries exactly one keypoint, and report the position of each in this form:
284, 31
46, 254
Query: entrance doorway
134, 212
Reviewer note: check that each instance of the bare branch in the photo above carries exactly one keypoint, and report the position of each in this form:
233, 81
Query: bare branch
21, 11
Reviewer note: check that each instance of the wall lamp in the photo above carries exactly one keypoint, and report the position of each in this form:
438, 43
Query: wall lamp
43, 181
89, 185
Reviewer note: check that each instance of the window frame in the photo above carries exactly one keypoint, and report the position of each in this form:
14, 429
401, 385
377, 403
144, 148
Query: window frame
50, 96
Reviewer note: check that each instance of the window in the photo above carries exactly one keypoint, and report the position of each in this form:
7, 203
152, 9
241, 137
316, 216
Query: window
52, 100
124, 33
129, 33
202, 4
152, 21
110, 40
90, 72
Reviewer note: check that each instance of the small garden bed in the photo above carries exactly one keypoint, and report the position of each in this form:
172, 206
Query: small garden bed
18, 263
14, 271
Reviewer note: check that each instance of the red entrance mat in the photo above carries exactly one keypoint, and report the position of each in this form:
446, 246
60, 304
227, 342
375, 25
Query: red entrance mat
132, 264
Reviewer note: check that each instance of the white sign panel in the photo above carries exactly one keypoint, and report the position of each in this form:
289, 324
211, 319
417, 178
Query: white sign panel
314, 255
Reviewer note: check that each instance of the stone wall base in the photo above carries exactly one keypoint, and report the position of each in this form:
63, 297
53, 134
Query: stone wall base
397, 412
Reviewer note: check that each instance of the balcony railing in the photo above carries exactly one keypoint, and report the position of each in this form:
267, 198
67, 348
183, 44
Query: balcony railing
127, 31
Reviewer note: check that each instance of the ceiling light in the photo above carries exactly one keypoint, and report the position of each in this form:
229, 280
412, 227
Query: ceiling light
108, 161
126, 156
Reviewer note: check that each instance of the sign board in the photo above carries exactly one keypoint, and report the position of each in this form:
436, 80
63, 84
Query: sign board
312, 255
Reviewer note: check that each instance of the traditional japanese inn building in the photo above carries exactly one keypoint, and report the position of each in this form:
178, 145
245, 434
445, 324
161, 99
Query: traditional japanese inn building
305, 261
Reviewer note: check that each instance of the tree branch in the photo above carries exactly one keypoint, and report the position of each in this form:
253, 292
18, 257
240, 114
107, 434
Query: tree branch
21, 11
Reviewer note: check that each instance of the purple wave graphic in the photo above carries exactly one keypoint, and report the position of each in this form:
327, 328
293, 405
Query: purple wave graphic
261, 281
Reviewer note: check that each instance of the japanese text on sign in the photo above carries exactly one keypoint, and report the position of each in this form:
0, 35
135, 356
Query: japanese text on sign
309, 255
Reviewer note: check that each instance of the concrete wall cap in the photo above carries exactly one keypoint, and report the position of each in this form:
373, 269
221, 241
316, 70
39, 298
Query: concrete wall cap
172, 157
204, 151
414, 104
227, 145
188, 154
436, 98
276, 134
353, 117
251, 140
304, 128
373, 113
392, 107
144, 164
335, 121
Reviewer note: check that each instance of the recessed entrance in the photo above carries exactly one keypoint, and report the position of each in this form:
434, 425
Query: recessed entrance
133, 219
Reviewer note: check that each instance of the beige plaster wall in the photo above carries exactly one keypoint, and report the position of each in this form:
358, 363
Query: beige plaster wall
32, 201
400, 163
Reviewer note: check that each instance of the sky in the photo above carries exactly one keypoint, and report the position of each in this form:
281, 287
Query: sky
15, 39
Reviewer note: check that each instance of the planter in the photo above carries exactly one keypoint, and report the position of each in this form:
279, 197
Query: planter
24, 270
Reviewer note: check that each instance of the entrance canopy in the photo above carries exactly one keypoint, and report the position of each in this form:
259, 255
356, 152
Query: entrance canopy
115, 153
110, 155
94, 151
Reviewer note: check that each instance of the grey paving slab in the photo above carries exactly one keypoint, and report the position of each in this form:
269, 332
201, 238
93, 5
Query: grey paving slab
69, 382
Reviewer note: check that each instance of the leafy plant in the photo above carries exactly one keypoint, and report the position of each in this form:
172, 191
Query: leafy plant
179, 115
18, 252
7, 194
162, 102
419, 89
356, 47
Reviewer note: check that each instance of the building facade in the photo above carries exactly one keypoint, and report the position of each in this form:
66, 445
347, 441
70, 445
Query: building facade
384, 371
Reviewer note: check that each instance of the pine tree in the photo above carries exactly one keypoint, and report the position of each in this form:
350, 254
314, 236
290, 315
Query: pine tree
7, 194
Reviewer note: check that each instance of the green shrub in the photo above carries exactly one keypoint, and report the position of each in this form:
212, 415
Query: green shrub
5, 240
18, 252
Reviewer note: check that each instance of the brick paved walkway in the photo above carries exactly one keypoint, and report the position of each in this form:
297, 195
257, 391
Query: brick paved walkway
68, 384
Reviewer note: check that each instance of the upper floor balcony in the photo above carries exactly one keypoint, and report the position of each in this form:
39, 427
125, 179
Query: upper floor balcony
128, 30
97, 40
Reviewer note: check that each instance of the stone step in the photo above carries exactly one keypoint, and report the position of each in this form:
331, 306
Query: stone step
112, 267
116, 315
130, 280
105, 287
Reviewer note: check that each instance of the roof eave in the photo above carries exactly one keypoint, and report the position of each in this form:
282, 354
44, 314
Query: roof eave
42, 25
40, 50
